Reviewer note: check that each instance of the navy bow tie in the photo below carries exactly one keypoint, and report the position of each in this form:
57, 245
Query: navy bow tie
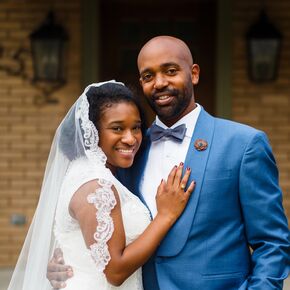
157, 132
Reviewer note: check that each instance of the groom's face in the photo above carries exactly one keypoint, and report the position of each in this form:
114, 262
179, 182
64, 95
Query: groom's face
166, 78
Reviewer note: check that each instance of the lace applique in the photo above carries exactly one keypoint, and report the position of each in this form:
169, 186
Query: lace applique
90, 134
104, 201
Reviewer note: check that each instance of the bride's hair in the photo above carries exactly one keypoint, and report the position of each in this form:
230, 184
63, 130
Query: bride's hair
103, 97
99, 98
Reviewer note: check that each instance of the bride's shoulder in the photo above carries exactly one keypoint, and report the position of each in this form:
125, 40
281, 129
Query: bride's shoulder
77, 165
83, 167
81, 171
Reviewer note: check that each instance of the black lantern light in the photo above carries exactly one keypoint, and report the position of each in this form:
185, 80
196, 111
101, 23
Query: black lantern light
263, 44
47, 44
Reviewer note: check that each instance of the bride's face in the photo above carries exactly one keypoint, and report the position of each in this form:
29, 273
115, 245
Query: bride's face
120, 134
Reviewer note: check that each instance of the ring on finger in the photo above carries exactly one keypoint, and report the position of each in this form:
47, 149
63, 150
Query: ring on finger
182, 186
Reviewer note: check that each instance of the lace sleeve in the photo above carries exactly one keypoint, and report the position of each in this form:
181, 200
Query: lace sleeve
104, 201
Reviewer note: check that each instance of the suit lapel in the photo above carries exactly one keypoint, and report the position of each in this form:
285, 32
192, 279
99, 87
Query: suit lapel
197, 161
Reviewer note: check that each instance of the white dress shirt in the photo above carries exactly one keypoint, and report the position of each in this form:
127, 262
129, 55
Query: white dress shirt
163, 155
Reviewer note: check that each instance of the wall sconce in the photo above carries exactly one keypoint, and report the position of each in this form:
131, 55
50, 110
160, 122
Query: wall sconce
263, 45
48, 55
48, 48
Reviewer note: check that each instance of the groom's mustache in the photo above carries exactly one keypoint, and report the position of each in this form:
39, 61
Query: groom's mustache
158, 93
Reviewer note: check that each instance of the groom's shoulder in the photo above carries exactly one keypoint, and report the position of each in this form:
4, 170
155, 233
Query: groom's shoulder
228, 126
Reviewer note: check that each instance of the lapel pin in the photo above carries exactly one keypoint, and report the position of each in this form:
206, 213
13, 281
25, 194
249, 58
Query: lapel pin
200, 144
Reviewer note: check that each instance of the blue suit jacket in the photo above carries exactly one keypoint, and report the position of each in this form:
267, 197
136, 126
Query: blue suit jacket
236, 204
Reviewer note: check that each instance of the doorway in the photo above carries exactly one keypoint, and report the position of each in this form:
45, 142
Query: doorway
126, 25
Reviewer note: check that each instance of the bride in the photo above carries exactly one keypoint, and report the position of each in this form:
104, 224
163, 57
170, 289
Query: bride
105, 232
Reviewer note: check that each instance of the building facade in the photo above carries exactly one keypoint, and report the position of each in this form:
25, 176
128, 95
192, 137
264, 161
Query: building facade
27, 128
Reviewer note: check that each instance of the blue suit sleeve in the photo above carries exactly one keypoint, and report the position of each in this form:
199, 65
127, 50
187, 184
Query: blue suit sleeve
265, 222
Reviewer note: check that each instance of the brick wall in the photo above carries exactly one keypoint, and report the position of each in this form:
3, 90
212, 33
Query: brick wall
264, 106
26, 129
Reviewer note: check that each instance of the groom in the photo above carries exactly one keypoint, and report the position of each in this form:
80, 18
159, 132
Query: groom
233, 233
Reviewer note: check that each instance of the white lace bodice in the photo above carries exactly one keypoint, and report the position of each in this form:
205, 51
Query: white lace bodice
88, 263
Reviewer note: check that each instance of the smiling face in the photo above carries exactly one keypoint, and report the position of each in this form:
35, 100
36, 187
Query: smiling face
120, 134
167, 76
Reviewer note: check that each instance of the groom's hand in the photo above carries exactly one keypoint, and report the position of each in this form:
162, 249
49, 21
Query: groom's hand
57, 271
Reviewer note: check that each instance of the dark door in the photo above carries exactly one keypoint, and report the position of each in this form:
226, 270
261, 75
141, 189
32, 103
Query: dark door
127, 25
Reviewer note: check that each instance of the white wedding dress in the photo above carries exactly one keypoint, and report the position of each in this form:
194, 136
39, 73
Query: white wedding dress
68, 235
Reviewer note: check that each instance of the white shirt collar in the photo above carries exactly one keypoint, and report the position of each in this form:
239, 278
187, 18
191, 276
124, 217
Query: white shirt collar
189, 120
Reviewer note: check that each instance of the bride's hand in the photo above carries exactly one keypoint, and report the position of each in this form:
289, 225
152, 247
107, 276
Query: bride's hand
57, 272
171, 197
